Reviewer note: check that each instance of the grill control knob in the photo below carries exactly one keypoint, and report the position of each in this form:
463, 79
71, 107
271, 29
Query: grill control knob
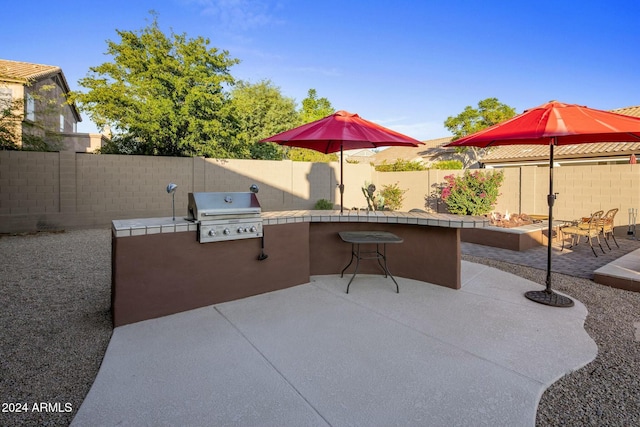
212, 233
253, 229
227, 231
240, 229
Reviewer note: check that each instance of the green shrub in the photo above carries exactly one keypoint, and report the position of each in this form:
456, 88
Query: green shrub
400, 166
447, 164
306, 155
474, 193
392, 196
323, 205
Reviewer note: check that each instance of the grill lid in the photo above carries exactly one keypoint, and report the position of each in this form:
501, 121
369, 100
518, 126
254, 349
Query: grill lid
204, 206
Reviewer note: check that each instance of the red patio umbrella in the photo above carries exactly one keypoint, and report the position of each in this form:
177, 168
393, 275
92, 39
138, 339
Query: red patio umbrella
338, 132
555, 123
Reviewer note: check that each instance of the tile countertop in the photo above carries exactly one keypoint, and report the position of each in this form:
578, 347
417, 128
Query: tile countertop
142, 226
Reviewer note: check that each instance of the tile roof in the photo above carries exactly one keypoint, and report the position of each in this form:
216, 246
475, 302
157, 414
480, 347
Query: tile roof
512, 153
25, 71
538, 152
430, 148
628, 111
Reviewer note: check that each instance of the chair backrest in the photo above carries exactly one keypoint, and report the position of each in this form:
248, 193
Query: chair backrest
607, 219
610, 215
594, 222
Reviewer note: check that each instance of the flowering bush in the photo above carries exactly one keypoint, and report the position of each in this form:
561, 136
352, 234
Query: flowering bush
474, 193
392, 196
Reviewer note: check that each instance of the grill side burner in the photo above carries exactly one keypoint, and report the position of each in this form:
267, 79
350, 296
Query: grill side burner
225, 216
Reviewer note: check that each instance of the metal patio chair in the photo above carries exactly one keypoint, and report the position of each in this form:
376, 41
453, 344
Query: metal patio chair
607, 226
589, 228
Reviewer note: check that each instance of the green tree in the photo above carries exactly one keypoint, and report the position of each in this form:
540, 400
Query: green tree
490, 111
11, 113
312, 109
305, 155
262, 111
163, 95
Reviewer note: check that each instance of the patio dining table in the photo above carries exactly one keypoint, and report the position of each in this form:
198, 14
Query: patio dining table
357, 238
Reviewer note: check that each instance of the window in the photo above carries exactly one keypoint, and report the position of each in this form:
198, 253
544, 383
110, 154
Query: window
31, 108
61, 122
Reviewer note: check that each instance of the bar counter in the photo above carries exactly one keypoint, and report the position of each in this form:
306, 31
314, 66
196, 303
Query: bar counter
159, 267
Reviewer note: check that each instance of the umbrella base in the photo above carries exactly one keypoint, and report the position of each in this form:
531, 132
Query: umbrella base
549, 298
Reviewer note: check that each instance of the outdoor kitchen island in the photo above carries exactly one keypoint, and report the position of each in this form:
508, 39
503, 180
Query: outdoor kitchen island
159, 267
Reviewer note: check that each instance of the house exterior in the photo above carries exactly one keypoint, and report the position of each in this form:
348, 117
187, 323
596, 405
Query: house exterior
520, 155
430, 152
363, 156
46, 115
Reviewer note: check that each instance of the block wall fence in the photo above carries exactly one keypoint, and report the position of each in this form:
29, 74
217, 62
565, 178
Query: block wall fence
55, 191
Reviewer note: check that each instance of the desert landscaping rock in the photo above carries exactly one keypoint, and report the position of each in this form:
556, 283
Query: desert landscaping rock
54, 323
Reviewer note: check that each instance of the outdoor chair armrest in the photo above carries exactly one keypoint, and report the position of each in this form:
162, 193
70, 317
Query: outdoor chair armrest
580, 231
569, 223
583, 224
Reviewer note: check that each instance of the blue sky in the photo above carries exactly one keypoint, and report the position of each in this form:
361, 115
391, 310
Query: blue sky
405, 64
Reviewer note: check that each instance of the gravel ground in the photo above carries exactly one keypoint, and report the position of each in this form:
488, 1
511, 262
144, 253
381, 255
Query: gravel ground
55, 326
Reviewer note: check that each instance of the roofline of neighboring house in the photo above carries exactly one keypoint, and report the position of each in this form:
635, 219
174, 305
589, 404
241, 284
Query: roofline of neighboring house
13, 80
580, 158
49, 73
43, 75
67, 89
557, 162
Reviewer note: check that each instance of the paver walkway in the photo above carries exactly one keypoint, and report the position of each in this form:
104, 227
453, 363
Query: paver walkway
578, 261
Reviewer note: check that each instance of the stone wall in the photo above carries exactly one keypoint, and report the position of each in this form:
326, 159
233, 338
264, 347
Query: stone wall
52, 191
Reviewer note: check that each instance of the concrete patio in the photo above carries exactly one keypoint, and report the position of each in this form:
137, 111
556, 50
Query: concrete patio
313, 355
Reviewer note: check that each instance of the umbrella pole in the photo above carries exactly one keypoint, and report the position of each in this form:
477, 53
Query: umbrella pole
341, 182
548, 297
551, 198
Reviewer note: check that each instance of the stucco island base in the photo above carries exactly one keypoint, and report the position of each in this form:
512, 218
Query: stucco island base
168, 271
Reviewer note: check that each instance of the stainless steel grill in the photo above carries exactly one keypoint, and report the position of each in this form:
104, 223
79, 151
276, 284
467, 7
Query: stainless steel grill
225, 216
